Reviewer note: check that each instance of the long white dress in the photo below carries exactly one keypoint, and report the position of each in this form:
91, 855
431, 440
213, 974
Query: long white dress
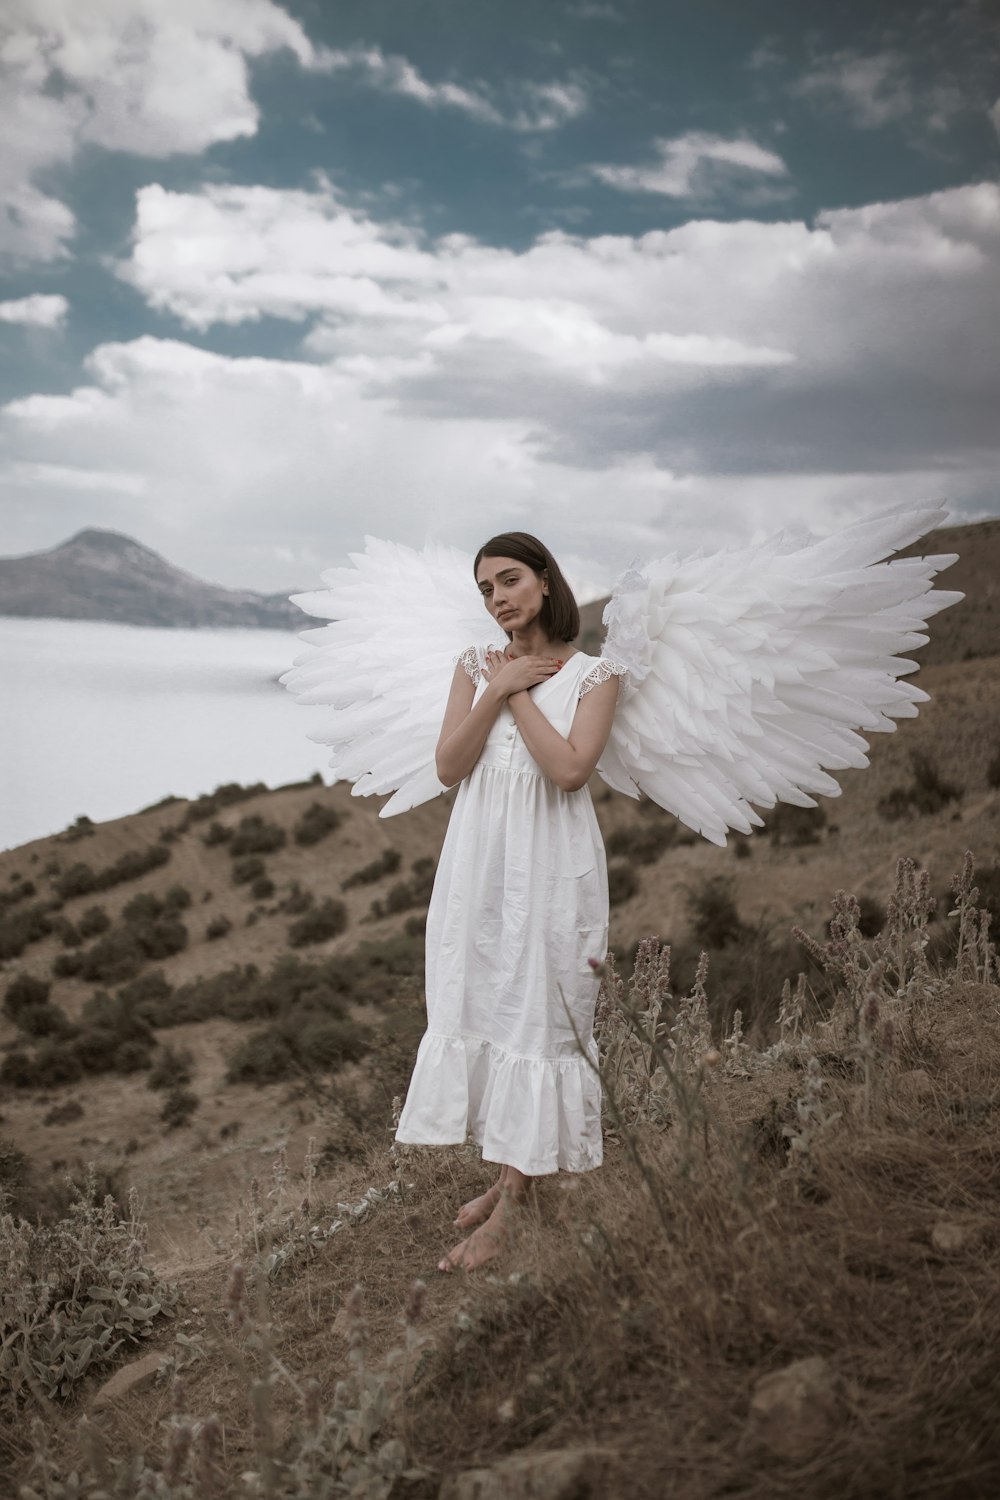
520, 903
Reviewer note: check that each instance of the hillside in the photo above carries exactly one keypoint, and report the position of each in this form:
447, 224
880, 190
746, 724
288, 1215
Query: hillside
193, 993
103, 575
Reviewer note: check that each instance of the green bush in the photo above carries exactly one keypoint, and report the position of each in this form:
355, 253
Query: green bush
292, 1045
218, 927
147, 991
115, 957
94, 922
387, 863
262, 888
622, 883
928, 793
20, 890
68, 935
44, 1020
227, 795
325, 921
315, 823
712, 913
642, 845
297, 901
23, 992
217, 834
80, 879
246, 870
19, 928
794, 826
171, 1068
65, 965
178, 1107
226, 994
254, 835
53, 1064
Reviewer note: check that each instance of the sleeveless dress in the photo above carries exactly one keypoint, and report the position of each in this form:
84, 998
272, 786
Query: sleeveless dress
519, 905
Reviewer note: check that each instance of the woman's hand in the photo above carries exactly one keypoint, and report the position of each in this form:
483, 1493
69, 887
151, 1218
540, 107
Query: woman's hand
516, 674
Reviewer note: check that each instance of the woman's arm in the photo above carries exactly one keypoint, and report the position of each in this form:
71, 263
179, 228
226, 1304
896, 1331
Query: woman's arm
568, 762
466, 725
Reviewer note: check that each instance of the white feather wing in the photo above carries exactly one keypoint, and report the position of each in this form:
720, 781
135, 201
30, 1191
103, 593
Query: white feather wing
383, 666
753, 671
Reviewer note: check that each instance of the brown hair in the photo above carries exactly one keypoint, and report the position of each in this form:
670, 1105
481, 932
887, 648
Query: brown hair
560, 613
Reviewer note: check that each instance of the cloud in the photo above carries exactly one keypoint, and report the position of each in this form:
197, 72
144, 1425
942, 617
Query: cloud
878, 89
589, 10
137, 75
528, 106
37, 311
994, 114
690, 164
626, 392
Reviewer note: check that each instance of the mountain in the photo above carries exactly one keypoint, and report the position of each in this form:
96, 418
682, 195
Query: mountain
103, 575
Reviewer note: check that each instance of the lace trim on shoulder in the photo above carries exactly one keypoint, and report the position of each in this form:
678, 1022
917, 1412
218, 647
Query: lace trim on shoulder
600, 672
470, 661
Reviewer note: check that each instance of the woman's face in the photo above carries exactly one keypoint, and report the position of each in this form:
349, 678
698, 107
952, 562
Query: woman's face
512, 592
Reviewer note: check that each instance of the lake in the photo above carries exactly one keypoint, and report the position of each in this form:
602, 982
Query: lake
105, 719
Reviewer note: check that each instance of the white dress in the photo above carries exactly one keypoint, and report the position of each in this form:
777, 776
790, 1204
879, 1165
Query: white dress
520, 903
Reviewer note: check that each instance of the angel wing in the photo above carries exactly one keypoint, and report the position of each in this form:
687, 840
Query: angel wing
384, 665
752, 671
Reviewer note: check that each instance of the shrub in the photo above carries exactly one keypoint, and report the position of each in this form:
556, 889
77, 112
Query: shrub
67, 934
622, 883
227, 795
289, 1046
19, 928
83, 1291
992, 774
94, 921
928, 793
262, 888
641, 845
416, 926
118, 1016
387, 863
65, 965
53, 1064
254, 835
795, 826
178, 1107
297, 900
113, 958
327, 920
146, 992
24, 991
712, 913
20, 891
218, 927
217, 834
80, 879
171, 1069
315, 823
64, 1114
225, 994
245, 870
44, 1020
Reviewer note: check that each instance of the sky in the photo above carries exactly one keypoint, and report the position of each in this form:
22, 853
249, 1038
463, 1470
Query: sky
639, 276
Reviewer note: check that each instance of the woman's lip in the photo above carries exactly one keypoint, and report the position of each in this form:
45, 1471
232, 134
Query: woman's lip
506, 614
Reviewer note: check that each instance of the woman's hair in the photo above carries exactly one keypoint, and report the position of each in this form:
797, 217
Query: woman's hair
560, 613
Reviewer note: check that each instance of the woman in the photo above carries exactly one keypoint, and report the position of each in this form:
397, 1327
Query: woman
520, 902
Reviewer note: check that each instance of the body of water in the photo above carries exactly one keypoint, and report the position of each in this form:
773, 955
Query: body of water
105, 719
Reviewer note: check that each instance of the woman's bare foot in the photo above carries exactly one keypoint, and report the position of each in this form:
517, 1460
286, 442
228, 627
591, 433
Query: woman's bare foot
486, 1241
478, 1209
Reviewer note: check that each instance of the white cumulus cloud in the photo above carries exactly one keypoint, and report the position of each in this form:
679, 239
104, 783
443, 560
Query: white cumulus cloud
131, 75
688, 164
40, 310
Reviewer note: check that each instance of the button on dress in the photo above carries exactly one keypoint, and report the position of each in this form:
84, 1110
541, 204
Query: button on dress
519, 906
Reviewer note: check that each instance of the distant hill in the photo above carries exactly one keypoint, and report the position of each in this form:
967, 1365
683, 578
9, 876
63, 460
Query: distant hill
103, 575
963, 632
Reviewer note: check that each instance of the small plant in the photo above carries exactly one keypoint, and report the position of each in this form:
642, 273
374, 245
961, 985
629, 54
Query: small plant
316, 823
297, 901
178, 1107
23, 926
993, 772
255, 835
928, 792
715, 921
642, 845
74, 1293
262, 888
325, 921
247, 870
93, 922
80, 879
217, 834
622, 883
171, 1069
795, 826
24, 992
387, 863
218, 927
